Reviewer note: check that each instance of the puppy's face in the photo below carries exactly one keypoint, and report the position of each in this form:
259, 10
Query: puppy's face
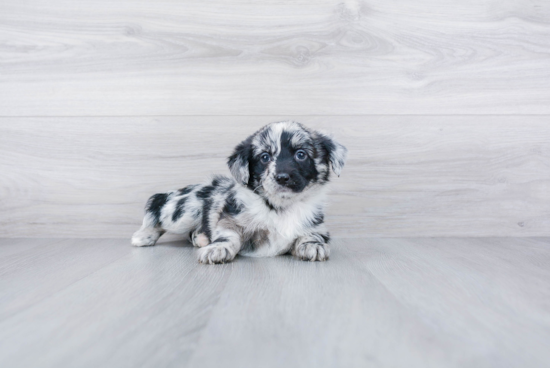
283, 160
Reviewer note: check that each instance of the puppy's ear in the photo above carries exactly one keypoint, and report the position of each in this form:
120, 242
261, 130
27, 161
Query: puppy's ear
238, 161
336, 152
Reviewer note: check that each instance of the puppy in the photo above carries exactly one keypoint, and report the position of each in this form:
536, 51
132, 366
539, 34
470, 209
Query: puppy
273, 204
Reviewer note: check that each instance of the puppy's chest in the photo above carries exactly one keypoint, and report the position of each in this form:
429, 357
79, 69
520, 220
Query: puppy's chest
270, 233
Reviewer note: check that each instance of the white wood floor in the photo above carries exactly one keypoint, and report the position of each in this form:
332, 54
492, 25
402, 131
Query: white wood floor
393, 302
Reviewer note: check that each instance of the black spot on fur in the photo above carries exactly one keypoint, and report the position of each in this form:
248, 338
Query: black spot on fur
187, 189
222, 183
231, 207
220, 180
154, 206
256, 168
270, 206
205, 220
221, 239
318, 219
326, 237
180, 209
205, 194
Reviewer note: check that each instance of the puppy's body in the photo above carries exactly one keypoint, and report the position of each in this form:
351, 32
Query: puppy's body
273, 205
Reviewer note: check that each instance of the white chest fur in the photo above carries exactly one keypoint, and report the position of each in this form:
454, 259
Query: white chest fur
279, 228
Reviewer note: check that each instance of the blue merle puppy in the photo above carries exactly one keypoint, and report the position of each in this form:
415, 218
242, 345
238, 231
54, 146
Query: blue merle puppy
273, 204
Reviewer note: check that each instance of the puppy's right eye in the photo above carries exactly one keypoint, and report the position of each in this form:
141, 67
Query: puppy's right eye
265, 157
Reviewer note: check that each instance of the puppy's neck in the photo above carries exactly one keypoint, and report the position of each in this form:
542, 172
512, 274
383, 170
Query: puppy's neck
283, 202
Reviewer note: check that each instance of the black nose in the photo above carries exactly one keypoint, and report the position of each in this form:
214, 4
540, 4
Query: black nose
282, 178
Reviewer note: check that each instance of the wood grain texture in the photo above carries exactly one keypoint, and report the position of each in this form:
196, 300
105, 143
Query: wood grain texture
329, 57
399, 302
406, 175
146, 309
38, 272
388, 303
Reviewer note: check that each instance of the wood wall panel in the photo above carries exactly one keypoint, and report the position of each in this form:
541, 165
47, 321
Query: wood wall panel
443, 104
406, 175
322, 57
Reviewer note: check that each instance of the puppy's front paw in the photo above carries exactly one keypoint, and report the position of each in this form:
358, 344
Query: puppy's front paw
216, 253
311, 251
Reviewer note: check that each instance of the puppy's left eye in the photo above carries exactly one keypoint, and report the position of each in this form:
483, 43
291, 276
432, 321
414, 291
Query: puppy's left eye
300, 155
265, 157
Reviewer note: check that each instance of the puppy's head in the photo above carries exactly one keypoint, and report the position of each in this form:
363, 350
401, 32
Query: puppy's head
283, 160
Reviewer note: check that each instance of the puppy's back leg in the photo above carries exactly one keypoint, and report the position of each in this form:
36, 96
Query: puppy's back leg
151, 229
198, 238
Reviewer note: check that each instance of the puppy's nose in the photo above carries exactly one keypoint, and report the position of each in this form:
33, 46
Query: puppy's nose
282, 178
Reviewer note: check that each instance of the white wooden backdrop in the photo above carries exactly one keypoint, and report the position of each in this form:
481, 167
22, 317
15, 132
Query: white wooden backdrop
443, 104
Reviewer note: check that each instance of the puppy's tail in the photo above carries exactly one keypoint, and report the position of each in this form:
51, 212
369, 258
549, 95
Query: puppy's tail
151, 229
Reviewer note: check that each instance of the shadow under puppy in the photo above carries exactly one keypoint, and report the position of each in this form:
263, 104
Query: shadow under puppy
274, 204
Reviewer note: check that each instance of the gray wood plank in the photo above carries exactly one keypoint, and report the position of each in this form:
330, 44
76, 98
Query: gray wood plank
388, 303
406, 175
147, 309
13, 246
282, 312
30, 276
491, 295
399, 302
131, 57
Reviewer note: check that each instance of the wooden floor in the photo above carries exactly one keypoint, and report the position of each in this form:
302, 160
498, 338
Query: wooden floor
393, 302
